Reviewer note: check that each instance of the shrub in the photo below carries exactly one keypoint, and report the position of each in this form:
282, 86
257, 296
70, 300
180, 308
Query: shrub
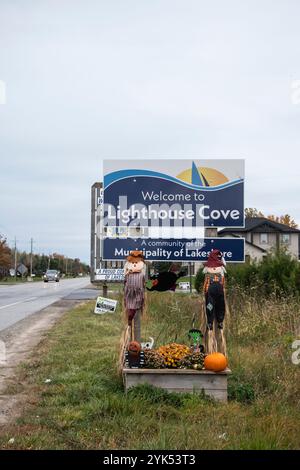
278, 273
154, 395
244, 275
199, 279
240, 391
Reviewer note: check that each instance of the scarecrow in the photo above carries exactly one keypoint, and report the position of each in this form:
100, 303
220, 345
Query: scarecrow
214, 292
165, 281
134, 302
134, 292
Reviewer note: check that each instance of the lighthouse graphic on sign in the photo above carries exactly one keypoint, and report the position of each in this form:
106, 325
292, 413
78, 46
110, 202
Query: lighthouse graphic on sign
202, 176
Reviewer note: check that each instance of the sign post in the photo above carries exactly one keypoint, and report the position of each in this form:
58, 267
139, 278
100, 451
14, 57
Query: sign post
96, 238
191, 279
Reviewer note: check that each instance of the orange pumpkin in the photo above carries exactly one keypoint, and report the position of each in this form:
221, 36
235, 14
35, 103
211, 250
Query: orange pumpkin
215, 362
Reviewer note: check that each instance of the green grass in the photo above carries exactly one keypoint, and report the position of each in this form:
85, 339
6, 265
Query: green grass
85, 407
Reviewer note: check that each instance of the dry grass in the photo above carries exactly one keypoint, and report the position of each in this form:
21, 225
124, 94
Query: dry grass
84, 406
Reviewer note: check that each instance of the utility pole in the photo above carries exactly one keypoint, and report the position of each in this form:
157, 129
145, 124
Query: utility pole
31, 252
15, 258
66, 266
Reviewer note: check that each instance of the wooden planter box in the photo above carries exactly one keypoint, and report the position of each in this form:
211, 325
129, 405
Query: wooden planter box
213, 384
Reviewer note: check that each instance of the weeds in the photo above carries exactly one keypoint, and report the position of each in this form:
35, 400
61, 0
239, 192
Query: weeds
84, 405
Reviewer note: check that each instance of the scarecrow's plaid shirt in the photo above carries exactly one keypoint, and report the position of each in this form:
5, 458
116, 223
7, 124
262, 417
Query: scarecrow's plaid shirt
209, 278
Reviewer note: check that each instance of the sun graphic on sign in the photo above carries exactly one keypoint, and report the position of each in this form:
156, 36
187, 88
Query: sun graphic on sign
203, 176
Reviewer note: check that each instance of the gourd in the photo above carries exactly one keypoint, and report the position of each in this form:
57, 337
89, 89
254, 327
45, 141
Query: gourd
215, 362
193, 360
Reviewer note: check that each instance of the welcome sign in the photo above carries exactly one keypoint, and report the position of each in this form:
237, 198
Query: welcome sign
190, 193
179, 250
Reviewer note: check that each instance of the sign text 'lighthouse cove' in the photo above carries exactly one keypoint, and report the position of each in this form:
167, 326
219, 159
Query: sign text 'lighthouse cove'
189, 193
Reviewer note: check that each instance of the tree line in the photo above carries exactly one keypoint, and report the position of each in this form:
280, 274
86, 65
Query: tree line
285, 219
40, 262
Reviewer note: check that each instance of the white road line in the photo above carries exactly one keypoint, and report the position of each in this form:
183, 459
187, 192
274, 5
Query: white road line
17, 303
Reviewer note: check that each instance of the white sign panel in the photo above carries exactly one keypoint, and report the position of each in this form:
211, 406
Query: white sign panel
109, 275
100, 198
184, 285
105, 305
174, 193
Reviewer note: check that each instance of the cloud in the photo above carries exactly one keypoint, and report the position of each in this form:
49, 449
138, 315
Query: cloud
138, 79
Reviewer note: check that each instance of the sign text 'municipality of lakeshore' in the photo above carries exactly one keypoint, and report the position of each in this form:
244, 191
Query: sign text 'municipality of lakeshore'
175, 250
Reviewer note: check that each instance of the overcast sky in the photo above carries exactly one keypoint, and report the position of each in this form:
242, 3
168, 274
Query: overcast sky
93, 79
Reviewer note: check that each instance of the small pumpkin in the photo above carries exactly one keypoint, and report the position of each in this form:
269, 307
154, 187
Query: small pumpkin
134, 348
215, 362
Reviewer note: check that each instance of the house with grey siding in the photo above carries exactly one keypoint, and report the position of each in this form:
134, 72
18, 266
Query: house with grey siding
263, 235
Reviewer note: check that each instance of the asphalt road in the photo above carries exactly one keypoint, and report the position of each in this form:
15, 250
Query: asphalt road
20, 301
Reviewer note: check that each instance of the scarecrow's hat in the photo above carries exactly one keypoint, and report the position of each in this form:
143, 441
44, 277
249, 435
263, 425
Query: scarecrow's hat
135, 256
214, 259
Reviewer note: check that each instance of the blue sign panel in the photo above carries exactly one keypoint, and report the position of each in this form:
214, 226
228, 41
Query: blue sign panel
203, 193
161, 249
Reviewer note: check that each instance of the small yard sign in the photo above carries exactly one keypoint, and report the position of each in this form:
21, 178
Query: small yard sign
184, 285
105, 305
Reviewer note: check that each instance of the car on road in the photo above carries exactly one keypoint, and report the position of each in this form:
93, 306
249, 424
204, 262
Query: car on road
52, 275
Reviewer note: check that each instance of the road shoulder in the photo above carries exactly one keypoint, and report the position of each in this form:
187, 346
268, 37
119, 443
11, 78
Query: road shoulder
20, 339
